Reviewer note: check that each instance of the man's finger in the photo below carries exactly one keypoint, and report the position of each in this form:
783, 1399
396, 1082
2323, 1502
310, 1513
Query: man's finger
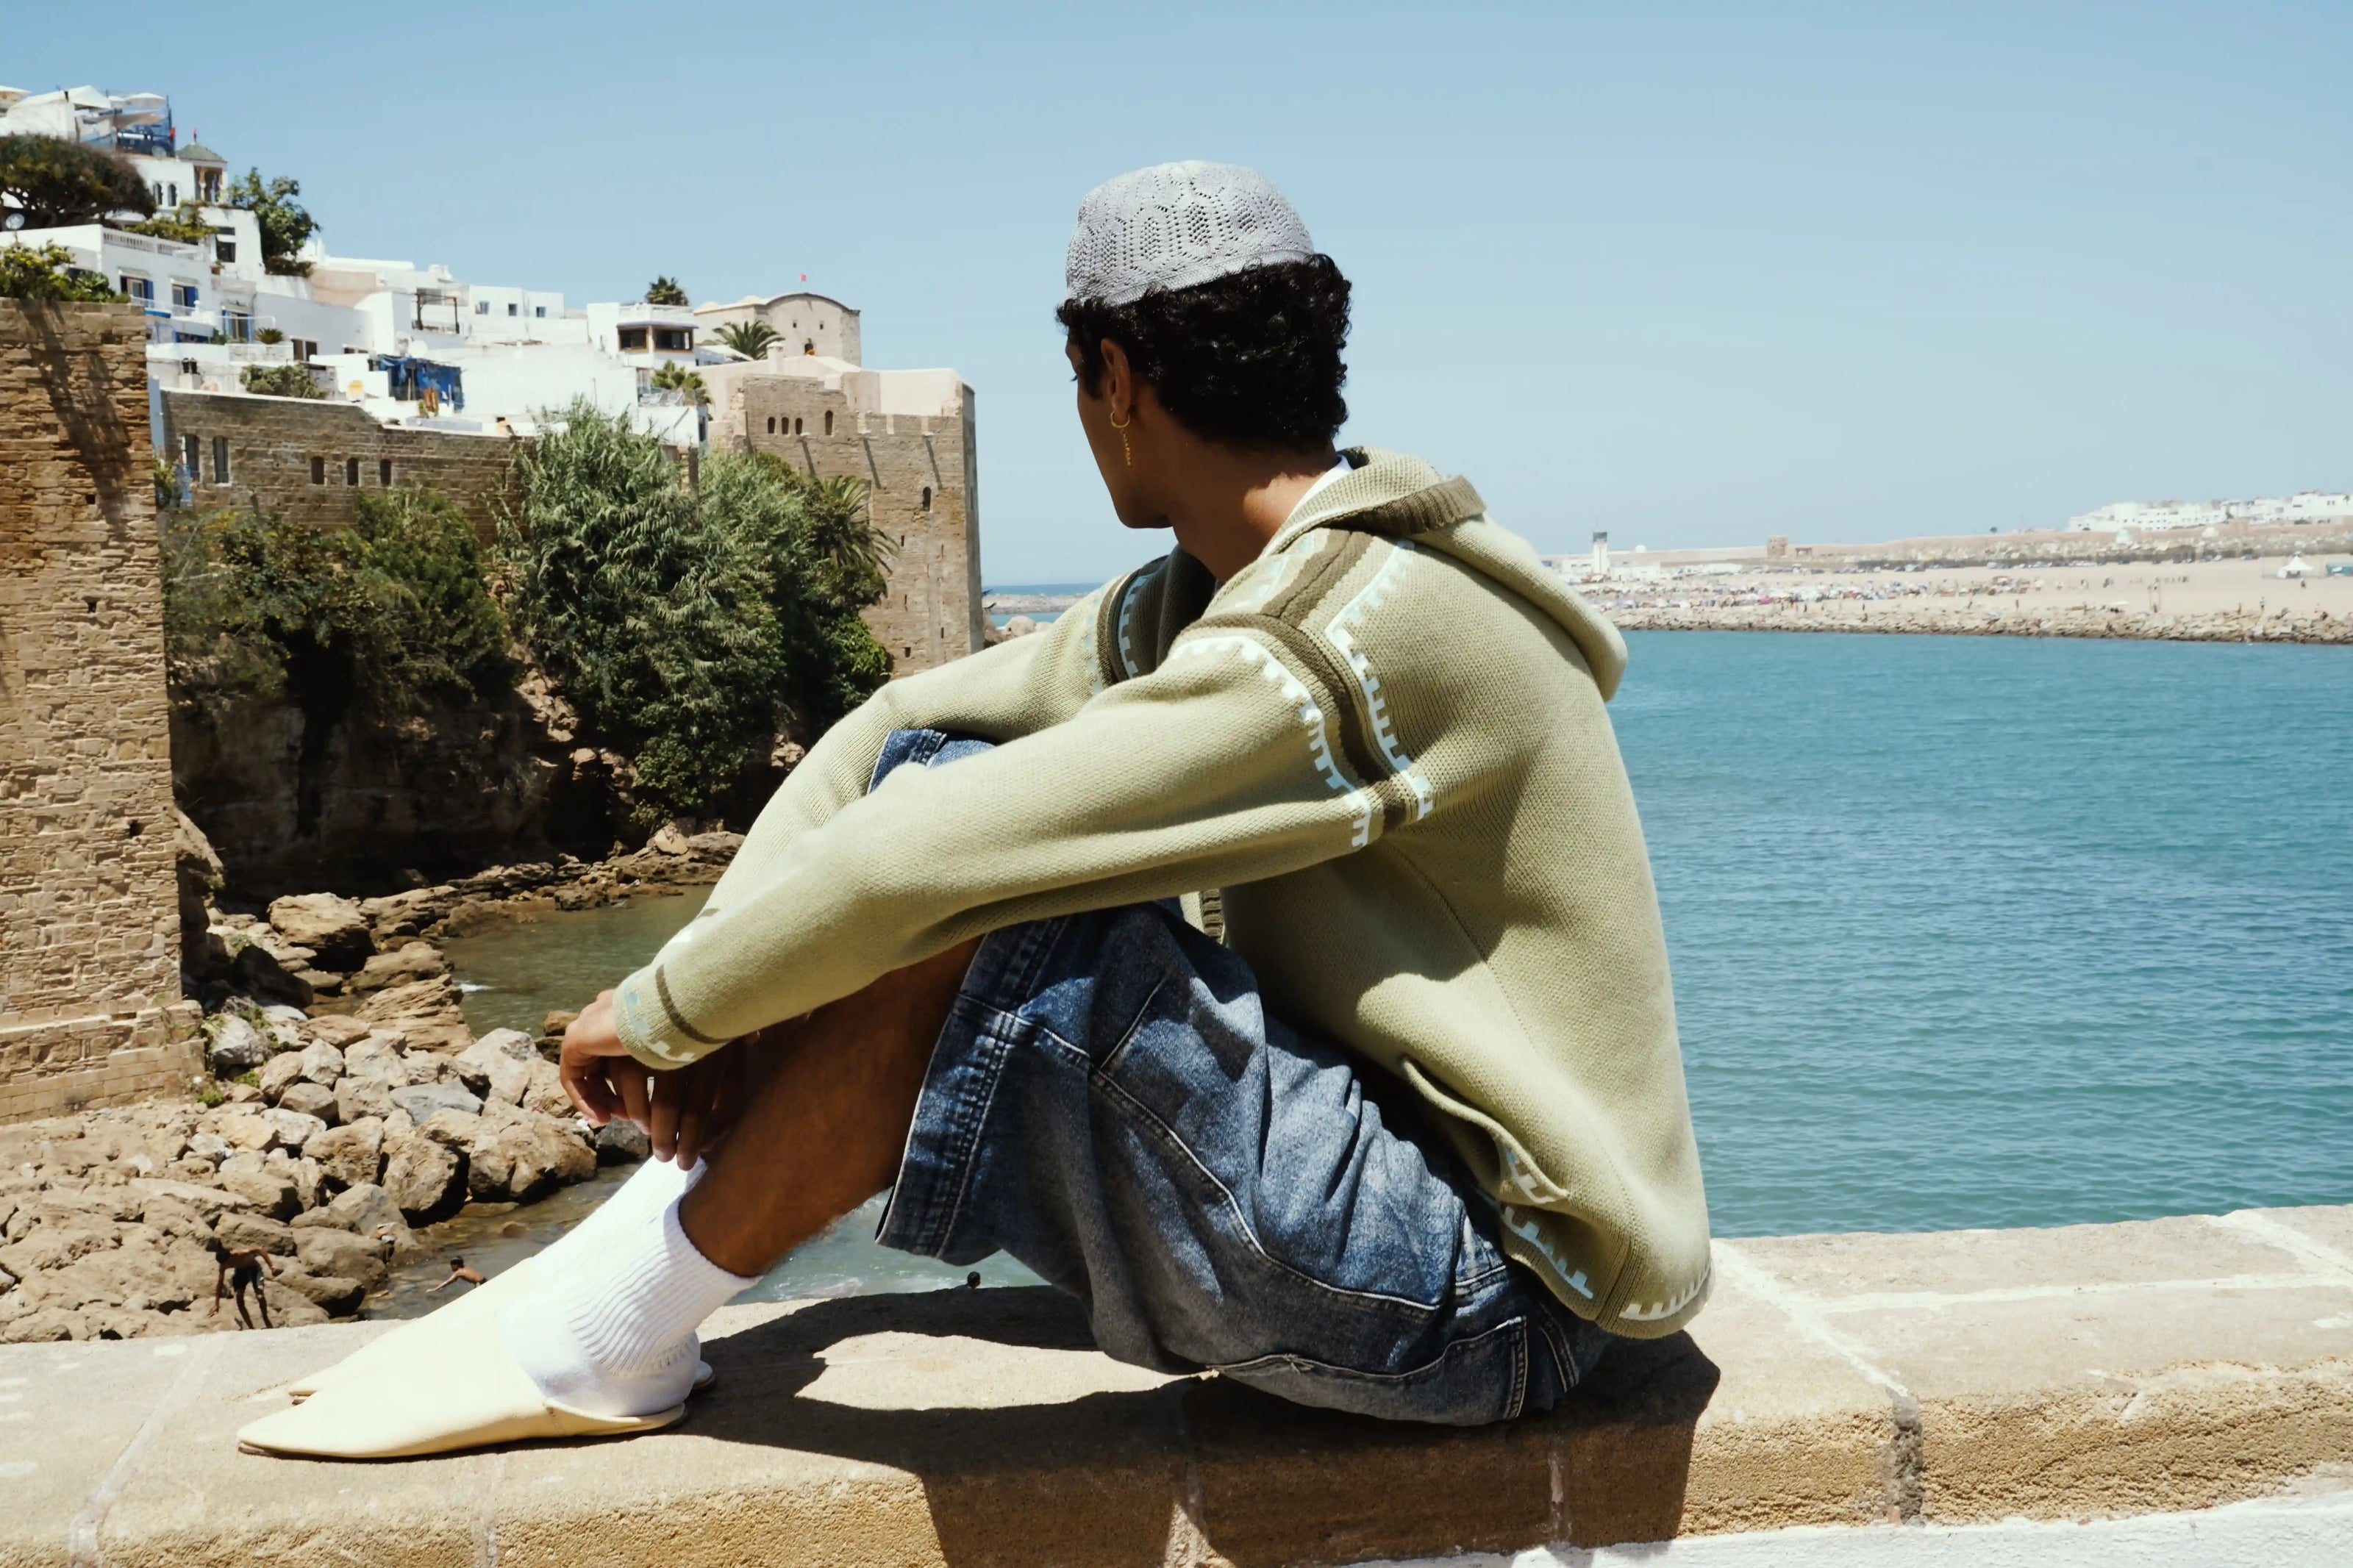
585, 1083
663, 1128
629, 1077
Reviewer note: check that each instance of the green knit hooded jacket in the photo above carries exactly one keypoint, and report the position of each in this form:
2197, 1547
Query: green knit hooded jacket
1383, 745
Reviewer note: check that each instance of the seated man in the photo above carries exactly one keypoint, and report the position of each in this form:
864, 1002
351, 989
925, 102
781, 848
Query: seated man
1265, 952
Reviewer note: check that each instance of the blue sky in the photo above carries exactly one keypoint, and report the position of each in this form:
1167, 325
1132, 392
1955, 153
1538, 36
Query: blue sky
1693, 274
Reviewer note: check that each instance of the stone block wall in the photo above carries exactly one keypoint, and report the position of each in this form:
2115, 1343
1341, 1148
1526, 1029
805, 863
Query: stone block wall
922, 474
89, 1001
302, 458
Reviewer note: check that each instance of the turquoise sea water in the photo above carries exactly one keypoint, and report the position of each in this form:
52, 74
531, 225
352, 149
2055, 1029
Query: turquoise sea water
2002, 932
1965, 931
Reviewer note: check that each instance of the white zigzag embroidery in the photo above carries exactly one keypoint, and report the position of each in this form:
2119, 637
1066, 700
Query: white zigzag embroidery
1258, 594
1523, 1225
1384, 735
1310, 718
1653, 1310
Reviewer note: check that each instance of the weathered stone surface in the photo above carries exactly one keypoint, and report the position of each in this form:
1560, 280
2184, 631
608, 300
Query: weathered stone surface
498, 1065
351, 1156
330, 1293
428, 1181
326, 1251
248, 1231
311, 1100
622, 1142
427, 1012
267, 1190
232, 1046
364, 1209
279, 1073
338, 1032
89, 907
417, 960
332, 927
420, 1101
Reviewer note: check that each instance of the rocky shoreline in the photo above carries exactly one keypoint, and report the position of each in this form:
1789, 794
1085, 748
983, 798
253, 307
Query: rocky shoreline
1899, 618
345, 1106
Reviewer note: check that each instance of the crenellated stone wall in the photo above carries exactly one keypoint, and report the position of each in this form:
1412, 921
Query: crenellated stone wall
310, 460
90, 1000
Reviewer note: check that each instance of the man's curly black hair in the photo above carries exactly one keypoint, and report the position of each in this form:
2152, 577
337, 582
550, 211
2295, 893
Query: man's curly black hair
1251, 359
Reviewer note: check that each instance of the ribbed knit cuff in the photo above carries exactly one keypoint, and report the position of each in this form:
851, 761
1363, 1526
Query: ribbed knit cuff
650, 1028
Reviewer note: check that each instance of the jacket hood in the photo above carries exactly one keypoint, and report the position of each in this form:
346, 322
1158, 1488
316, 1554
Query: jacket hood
1405, 498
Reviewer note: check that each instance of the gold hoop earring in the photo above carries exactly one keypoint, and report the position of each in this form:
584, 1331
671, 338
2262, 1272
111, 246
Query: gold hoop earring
1127, 454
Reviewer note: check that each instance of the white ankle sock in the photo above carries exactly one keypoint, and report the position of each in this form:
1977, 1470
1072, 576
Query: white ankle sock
614, 1333
654, 1184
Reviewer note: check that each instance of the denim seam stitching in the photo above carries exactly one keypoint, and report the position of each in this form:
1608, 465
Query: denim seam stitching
1250, 1233
968, 1130
1454, 1348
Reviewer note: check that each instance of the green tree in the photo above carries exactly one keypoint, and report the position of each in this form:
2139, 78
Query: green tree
57, 184
286, 225
384, 618
664, 290
185, 224
282, 381
48, 272
688, 625
687, 384
750, 339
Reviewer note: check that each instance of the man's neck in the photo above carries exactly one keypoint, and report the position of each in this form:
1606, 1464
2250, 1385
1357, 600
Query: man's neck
1231, 501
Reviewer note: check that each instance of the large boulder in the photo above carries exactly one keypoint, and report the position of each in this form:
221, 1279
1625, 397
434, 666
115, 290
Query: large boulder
252, 1232
364, 1210
427, 1012
280, 1073
351, 1156
518, 1156
199, 872
233, 1045
339, 1031
622, 1141
332, 1294
417, 960
498, 1065
268, 1189
332, 927
322, 1064
329, 1251
428, 1181
311, 1100
421, 1101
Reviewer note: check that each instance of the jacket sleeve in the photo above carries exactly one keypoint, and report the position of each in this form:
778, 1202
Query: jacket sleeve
1220, 766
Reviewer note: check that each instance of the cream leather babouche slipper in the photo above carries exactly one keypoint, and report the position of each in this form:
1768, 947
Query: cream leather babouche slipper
482, 1301
460, 1390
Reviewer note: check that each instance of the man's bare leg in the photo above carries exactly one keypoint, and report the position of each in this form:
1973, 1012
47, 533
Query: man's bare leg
826, 1131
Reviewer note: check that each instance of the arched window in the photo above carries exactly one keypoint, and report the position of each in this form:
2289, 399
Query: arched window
828, 421
772, 424
927, 498
796, 427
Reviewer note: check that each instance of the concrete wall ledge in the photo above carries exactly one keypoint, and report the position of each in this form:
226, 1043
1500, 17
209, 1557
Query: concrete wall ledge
1839, 1386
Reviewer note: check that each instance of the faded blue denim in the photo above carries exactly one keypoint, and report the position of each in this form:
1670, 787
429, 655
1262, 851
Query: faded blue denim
1110, 1104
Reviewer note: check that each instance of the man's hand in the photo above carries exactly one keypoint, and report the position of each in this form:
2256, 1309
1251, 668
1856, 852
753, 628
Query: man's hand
683, 1112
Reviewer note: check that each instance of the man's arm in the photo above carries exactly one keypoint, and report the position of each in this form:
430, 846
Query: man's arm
1221, 766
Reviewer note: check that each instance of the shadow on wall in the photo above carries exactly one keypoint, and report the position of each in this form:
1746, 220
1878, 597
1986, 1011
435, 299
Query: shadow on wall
1263, 1482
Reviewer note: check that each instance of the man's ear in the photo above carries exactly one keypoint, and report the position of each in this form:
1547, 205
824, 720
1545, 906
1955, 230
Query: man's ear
1118, 381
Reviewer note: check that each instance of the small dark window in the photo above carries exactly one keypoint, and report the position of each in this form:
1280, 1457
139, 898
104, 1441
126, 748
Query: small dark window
352, 472
192, 456
911, 653
633, 339
772, 424
828, 421
384, 472
220, 459
927, 498
318, 471
670, 340
796, 427
539, 311
514, 309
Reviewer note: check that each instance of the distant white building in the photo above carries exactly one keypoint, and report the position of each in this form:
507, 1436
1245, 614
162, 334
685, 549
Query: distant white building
2307, 506
805, 324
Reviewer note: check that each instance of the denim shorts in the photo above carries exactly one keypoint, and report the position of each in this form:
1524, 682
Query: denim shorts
1110, 1104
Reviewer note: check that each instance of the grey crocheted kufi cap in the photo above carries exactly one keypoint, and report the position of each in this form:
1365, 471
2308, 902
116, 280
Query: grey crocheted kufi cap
1176, 225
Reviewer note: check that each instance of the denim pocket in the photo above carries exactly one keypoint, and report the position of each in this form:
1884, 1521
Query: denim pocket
1473, 1380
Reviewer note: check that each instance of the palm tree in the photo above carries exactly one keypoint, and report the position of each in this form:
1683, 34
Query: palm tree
750, 339
664, 290
674, 377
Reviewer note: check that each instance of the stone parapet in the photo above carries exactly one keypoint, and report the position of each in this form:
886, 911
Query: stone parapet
1852, 1384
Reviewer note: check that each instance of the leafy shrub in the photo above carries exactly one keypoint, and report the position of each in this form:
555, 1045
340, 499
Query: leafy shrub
689, 624
664, 290
48, 272
282, 381
185, 224
285, 223
750, 339
385, 618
